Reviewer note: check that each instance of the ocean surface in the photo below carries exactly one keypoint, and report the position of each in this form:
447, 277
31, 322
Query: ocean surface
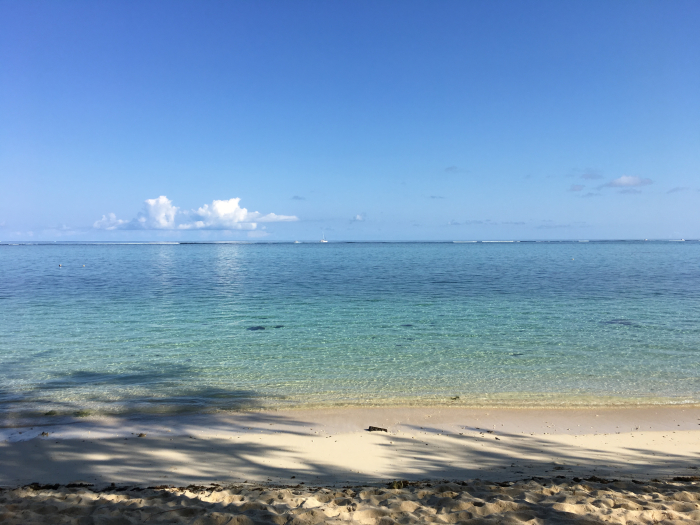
169, 328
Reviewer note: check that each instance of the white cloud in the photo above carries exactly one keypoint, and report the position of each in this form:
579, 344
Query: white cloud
220, 215
273, 217
108, 222
628, 181
157, 214
228, 215
358, 218
161, 214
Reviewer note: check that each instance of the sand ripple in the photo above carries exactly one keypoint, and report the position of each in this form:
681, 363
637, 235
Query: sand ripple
533, 501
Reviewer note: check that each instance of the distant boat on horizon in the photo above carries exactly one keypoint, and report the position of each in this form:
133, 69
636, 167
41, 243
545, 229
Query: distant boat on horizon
323, 238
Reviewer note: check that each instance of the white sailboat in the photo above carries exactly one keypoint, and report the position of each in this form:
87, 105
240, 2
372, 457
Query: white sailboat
323, 238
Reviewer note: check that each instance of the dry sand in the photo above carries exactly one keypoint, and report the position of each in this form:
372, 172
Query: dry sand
534, 464
439, 502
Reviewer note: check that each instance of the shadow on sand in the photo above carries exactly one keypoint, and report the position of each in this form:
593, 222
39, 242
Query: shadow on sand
225, 448
260, 467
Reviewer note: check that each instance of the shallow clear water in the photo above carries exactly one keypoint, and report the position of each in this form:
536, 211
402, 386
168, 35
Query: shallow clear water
161, 328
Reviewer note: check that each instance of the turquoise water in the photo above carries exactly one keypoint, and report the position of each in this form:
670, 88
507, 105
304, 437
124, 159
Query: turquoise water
170, 328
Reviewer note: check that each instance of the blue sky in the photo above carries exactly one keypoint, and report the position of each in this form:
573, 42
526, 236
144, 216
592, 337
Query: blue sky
366, 120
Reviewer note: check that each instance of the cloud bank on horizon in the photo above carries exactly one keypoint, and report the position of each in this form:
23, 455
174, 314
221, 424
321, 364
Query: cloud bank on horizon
161, 214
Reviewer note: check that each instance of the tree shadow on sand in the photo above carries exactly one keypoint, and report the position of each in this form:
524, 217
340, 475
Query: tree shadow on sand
201, 450
205, 448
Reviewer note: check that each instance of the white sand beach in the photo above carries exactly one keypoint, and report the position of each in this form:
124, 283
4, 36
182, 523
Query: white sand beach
312, 466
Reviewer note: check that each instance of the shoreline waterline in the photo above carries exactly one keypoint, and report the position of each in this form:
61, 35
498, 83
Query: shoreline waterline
53, 417
355, 413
